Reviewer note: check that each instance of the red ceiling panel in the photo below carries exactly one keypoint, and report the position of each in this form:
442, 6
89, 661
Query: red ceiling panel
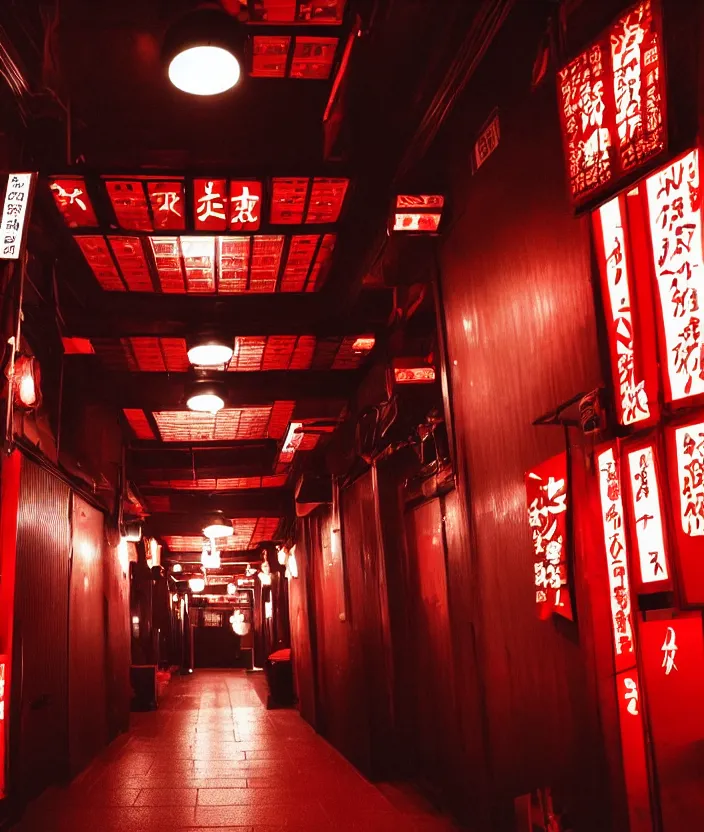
281, 414
72, 200
130, 258
167, 255
352, 351
266, 259
129, 203
288, 200
95, 250
168, 201
305, 12
278, 352
248, 354
137, 420
77, 346
302, 357
158, 504
313, 58
326, 200
265, 529
269, 55
300, 256
209, 201
229, 424
233, 264
323, 262
222, 483
199, 262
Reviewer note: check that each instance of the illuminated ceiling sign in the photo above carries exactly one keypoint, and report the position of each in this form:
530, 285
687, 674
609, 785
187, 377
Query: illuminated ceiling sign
674, 205
183, 204
414, 375
72, 200
301, 12
18, 196
685, 446
546, 493
647, 516
616, 546
612, 102
632, 394
419, 214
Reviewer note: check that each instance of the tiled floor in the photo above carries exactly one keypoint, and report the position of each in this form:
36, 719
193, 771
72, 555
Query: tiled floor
213, 756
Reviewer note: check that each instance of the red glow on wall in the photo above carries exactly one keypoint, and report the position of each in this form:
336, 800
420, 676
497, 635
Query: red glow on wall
546, 493
210, 204
646, 512
633, 394
673, 675
685, 447
168, 202
612, 103
414, 375
129, 204
74, 203
616, 548
674, 203
245, 205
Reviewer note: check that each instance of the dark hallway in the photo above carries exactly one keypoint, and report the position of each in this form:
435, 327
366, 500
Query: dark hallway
213, 756
352, 392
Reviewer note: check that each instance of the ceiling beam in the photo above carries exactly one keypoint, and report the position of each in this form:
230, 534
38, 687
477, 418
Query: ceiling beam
167, 391
149, 461
126, 314
189, 525
262, 502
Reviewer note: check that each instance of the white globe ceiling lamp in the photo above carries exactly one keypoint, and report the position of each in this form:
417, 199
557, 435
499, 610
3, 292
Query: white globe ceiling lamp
210, 352
218, 528
201, 50
196, 584
206, 397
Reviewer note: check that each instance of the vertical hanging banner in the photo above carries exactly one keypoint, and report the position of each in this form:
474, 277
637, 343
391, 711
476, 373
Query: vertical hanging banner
546, 491
15, 214
675, 211
685, 450
612, 103
636, 389
645, 506
672, 652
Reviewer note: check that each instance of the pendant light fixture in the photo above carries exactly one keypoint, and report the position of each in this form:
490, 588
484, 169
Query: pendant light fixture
210, 352
197, 584
217, 528
206, 396
202, 52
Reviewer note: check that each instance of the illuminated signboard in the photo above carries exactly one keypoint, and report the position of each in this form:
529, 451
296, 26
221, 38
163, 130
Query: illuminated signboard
631, 729
414, 375
646, 511
14, 214
685, 446
674, 205
72, 200
419, 214
546, 492
615, 543
672, 651
611, 99
632, 395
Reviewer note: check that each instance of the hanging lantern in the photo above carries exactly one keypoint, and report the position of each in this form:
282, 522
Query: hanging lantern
231, 589
240, 625
292, 564
265, 574
282, 554
25, 384
210, 557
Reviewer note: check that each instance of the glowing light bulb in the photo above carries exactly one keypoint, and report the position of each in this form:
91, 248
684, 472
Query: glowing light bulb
204, 70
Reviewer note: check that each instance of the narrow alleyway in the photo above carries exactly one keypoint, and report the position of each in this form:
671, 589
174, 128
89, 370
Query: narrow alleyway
213, 756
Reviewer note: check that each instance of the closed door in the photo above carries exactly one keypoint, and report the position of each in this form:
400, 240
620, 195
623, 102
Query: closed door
39, 742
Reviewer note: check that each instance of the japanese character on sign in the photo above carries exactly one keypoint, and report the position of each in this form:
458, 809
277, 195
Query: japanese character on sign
669, 649
211, 203
245, 205
690, 468
647, 514
631, 695
674, 204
